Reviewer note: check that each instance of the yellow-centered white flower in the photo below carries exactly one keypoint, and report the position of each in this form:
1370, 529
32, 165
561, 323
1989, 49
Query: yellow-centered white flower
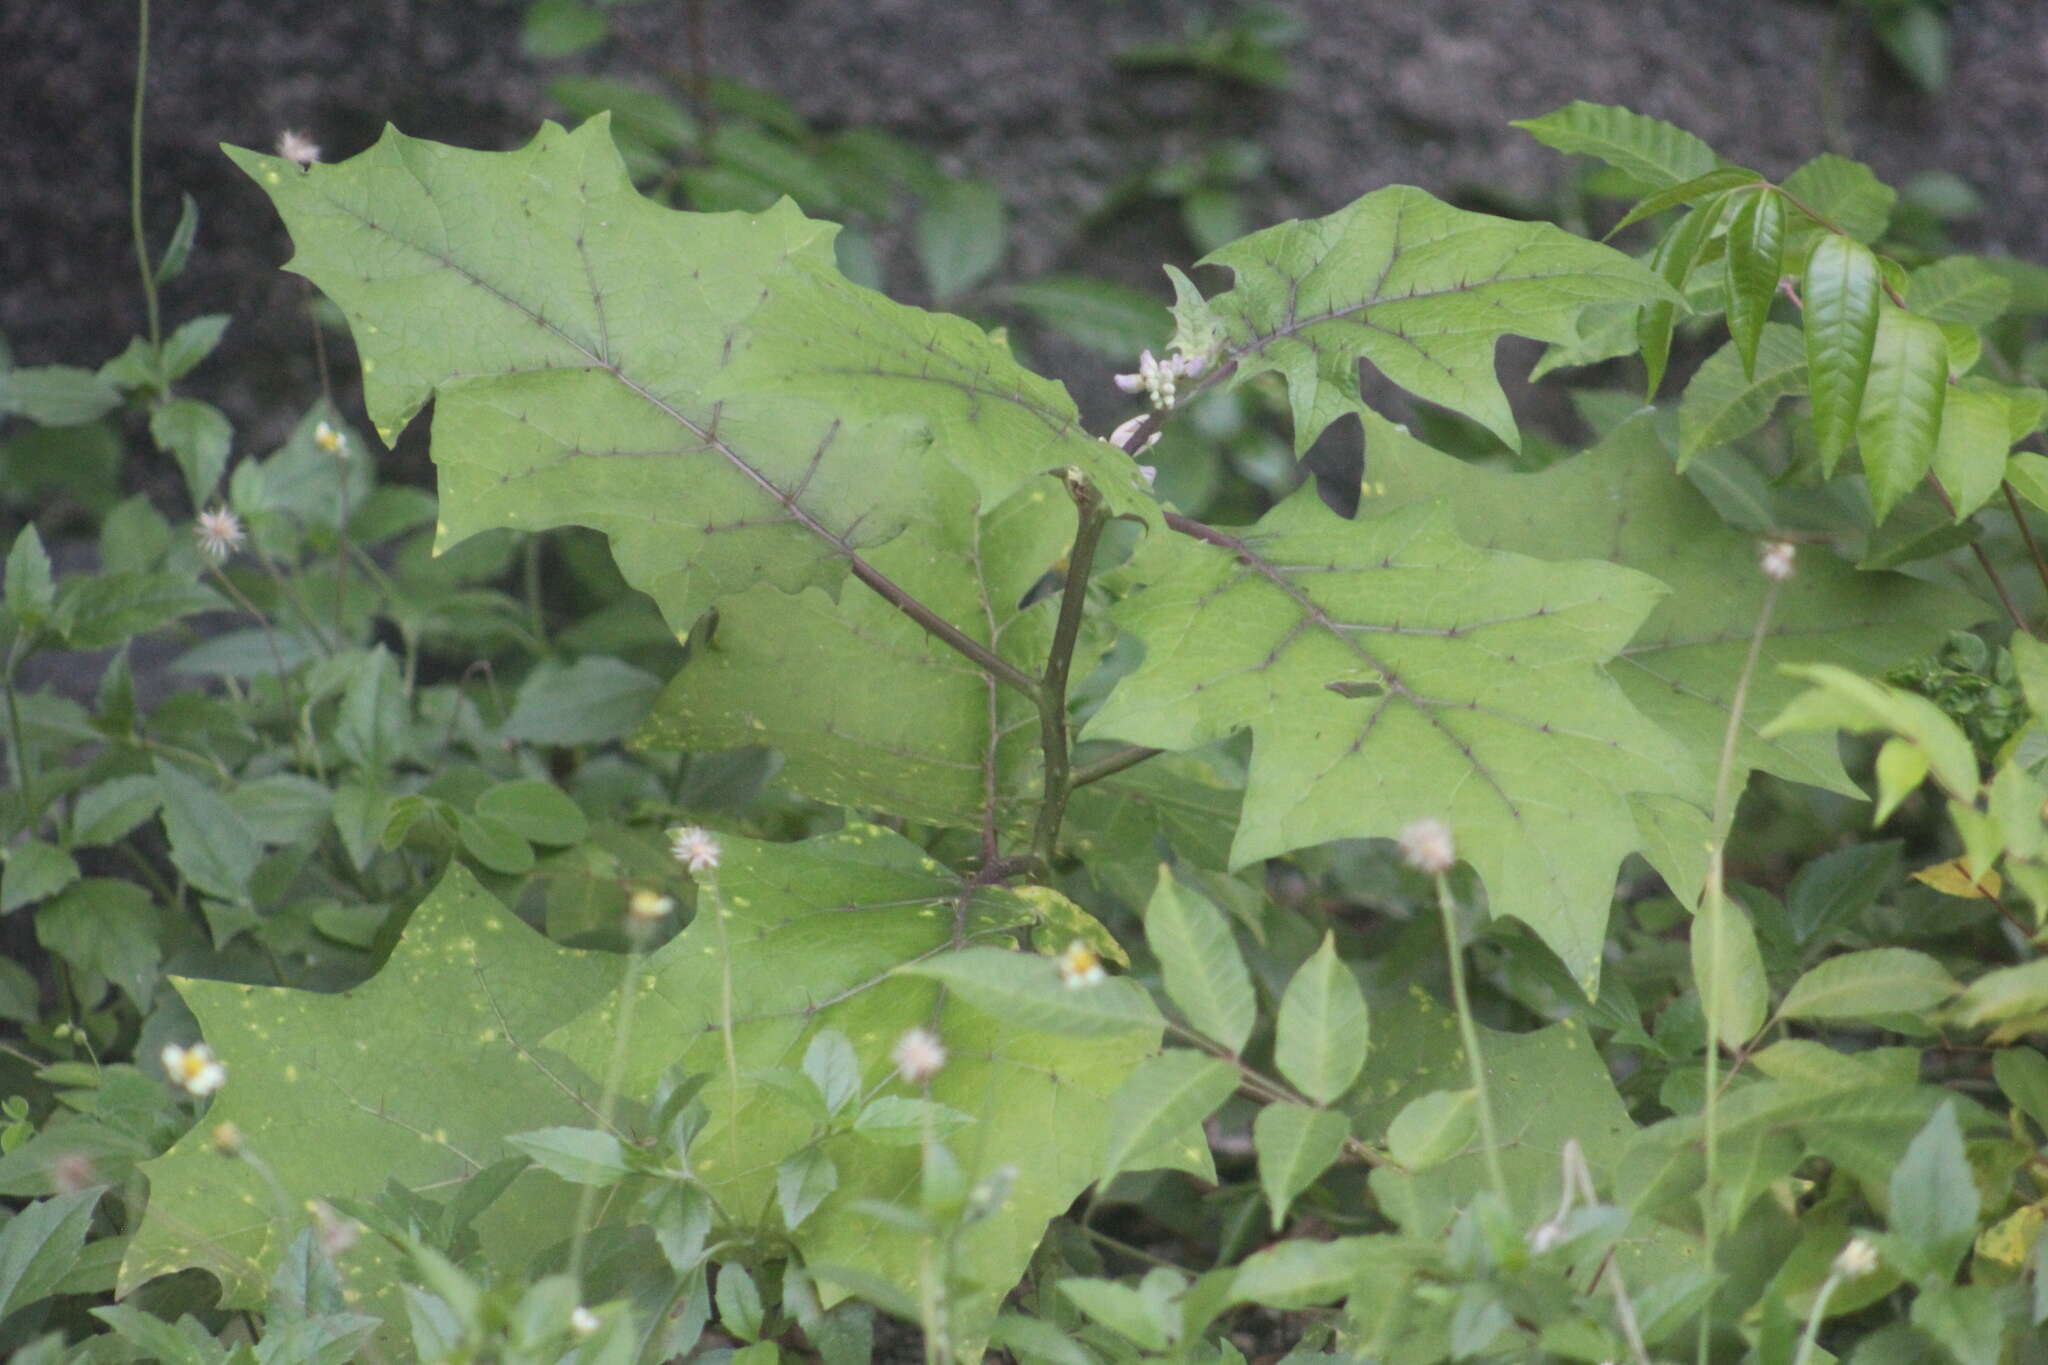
194, 1069
1080, 966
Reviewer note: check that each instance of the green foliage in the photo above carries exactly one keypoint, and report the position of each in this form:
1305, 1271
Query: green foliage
884, 813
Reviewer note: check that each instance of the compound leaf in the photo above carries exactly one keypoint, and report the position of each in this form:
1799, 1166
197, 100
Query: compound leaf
1390, 672
1417, 288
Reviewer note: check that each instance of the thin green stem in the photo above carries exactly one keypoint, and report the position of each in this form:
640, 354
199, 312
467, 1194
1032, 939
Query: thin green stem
303, 742
2019, 519
607, 1102
17, 742
1052, 688
1716, 907
1468, 1031
1110, 764
1810, 1338
1983, 561
135, 174
719, 915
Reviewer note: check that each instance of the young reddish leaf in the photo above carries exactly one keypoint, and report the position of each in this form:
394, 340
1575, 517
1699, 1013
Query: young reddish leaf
1902, 403
1756, 244
1841, 328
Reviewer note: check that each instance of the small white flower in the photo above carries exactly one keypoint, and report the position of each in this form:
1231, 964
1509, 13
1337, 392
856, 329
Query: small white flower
694, 847
331, 441
1149, 473
651, 907
1857, 1259
1775, 559
1426, 846
1131, 383
293, 145
918, 1055
1546, 1235
1190, 366
582, 1322
219, 533
1120, 438
1080, 966
194, 1069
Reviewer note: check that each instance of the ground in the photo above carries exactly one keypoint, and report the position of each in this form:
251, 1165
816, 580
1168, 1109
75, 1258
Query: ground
1021, 91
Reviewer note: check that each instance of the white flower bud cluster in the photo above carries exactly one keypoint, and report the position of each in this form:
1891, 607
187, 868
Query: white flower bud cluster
1159, 380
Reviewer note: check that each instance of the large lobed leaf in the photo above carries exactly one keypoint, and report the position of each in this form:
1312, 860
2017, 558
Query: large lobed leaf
596, 359
813, 936
1622, 501
416, 1076
1421, 290
1391, 672
869, 710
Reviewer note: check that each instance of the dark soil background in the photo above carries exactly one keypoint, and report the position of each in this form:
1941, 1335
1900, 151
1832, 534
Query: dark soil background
1023, 92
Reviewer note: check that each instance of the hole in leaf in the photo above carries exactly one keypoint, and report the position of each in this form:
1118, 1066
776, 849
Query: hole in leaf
1337, 461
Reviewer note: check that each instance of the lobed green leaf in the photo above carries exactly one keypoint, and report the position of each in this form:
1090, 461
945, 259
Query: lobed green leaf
1417, 288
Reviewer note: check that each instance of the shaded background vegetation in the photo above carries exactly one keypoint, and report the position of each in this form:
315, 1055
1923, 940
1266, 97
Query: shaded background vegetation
1028, 94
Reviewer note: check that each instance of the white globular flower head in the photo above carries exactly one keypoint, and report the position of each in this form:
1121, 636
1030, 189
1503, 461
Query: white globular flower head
918, 1055
194, 1070
219, 533
295, 146
582, 1322
330, 441
1080, 966
694, 847
1426, 846
1775, 559
1856, 1259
